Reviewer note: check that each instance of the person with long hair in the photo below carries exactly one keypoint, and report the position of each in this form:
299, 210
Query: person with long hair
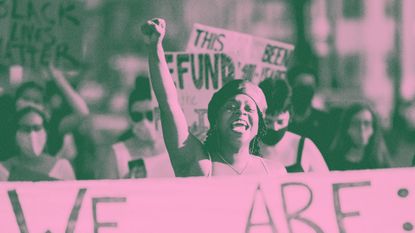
297, 153
235, 114
359, 142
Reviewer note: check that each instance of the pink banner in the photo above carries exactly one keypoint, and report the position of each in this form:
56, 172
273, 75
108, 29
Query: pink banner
347, 202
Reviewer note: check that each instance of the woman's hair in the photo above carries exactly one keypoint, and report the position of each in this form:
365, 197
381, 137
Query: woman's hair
141, 91
376, 152
29, 109
29, 85
294, 72
277, 92
212, 139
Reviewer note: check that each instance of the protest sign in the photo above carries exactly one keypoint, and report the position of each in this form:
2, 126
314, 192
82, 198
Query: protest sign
378, 201
257, 58
34, 33
197, 76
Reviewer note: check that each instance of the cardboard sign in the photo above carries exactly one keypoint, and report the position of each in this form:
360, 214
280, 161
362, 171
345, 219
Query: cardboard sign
380, 201
257, 58
197, 77
33, 33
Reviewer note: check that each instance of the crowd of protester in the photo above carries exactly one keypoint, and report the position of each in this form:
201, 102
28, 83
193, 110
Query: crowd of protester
271, 128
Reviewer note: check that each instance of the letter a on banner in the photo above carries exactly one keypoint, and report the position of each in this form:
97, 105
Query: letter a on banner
260, 216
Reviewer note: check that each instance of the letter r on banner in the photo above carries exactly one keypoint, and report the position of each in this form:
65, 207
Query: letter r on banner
296, 215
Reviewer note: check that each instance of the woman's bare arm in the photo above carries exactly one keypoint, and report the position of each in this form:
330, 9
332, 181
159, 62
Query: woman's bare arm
76, 102
179, 141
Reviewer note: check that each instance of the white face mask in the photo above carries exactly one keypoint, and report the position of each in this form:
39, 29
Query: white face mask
31, 143
144, 130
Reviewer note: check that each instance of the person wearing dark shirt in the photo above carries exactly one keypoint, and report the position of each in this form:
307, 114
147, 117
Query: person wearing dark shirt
297, 153
306, 120
359, 142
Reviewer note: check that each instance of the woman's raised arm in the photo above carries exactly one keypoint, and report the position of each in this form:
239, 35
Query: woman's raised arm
175, 128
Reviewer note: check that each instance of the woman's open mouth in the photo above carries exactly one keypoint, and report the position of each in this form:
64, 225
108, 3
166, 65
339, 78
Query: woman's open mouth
239, 125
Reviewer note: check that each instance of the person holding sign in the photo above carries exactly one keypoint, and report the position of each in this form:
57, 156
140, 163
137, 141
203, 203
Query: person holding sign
235, 114
297, 153
32, 163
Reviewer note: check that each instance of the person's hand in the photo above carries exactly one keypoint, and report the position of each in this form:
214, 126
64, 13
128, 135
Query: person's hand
56, 73
155, 30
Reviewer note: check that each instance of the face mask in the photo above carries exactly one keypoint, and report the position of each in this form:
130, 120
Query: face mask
302, 97
31, 143
144, 130
272, 137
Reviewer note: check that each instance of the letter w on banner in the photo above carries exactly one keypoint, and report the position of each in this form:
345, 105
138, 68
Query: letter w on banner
255, 58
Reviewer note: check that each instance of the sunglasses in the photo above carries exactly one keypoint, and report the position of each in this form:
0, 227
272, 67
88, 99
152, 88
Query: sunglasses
30, 128
139, 116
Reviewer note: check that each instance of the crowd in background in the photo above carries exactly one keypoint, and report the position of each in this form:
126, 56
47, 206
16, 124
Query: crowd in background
45, 133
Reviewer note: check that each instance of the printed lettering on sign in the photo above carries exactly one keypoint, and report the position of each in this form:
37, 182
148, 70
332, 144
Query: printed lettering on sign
197, 77
255, 58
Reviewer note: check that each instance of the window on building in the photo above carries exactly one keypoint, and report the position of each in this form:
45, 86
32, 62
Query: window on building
353, 9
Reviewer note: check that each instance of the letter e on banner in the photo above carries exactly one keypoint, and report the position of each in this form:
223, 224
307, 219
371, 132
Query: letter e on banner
95, 202
340, 215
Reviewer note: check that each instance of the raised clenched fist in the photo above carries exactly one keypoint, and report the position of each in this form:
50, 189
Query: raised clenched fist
155, 29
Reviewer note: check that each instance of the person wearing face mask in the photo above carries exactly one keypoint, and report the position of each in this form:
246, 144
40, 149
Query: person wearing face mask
68, 114
297, 153
359, 142
31, 163
29, 93
141, 147
306, 120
